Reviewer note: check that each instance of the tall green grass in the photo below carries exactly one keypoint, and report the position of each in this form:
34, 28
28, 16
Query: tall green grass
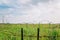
13, 31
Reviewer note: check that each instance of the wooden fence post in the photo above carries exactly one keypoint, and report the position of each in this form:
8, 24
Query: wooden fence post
37, 33
21, 33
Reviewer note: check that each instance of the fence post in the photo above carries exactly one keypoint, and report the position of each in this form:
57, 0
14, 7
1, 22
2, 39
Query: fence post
21, 33
37, 33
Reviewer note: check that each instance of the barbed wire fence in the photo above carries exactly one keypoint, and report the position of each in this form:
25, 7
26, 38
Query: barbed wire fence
53, 37
38, 36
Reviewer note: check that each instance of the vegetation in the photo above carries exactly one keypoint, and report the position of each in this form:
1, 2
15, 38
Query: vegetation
13, 31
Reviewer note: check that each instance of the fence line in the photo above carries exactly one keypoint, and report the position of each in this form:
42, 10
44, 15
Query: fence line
39, 36
30, 36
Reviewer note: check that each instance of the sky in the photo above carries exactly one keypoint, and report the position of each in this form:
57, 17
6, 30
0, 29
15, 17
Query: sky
30, 11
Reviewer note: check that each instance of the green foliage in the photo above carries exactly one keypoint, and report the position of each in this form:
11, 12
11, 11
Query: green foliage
13, 31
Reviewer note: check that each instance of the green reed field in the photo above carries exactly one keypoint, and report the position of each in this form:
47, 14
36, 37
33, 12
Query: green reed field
13, 31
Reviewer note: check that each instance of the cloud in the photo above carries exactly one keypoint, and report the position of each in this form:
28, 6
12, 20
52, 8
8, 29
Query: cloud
23, 1
24, 11
33, 15
13, 6
6, 7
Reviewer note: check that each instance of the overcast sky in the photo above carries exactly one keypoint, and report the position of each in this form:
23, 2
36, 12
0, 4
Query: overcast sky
30, 11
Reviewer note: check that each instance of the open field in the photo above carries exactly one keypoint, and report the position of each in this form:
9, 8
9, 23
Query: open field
13, 31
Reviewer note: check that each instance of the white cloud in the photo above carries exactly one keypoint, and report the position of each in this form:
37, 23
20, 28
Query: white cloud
23, 1
35, 13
